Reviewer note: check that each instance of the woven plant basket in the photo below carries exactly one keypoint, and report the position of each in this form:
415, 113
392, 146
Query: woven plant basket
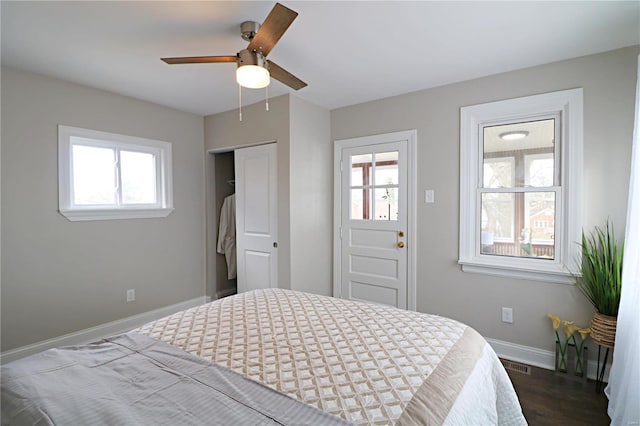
603, 329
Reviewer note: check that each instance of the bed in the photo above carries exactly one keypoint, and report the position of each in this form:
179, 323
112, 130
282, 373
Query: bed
349, 361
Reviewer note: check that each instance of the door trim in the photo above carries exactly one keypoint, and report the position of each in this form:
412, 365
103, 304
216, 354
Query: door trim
240, 146
411, 137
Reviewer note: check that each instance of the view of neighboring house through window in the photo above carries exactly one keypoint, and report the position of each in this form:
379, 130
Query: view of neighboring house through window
520, 186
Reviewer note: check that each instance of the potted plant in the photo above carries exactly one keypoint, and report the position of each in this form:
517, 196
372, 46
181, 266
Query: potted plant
601, 281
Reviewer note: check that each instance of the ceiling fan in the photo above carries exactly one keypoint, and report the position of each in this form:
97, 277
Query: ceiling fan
254, 69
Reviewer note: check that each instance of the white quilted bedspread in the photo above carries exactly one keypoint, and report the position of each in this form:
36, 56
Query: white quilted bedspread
362, 362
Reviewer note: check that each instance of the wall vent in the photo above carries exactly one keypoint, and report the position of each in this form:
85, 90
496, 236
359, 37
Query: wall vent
516, 366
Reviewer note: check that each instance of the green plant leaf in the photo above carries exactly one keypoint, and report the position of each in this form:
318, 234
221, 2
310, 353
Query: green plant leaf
601, 280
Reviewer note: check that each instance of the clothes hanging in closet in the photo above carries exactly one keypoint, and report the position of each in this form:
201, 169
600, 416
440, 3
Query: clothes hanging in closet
227, 234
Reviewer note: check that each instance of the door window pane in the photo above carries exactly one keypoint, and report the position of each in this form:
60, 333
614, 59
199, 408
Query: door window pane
386, 168
138, 174
358, 208
356, 175
94, 175
360, 169
374, 186
386, 204
362, 158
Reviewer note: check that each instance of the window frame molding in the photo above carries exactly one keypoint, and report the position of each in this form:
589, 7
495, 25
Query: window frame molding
569, 103
164, 176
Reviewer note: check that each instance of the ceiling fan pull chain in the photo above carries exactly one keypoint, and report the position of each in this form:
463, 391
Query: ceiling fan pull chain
240, 101
267, 101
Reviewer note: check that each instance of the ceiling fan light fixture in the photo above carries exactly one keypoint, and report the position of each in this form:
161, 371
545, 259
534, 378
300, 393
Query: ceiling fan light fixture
252, 71
252, 76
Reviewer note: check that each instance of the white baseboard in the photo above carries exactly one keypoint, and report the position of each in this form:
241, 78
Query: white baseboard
98, 332
538, 357
524, 354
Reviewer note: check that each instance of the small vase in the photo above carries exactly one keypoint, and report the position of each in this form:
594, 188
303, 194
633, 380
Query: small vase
603, 329
571, 361
561, 358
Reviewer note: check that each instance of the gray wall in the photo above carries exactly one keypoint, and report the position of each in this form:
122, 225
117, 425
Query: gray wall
60, 276
311, 176
609, 81
224, 131
304, 181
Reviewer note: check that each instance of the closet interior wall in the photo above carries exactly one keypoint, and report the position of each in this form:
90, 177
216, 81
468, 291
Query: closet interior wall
221, 177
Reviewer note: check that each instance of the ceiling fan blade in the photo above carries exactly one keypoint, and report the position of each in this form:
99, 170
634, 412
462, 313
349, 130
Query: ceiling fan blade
284, 76
272, 29
199, 59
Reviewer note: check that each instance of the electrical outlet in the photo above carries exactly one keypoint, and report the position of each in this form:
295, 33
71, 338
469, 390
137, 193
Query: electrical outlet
507, 315
131, 295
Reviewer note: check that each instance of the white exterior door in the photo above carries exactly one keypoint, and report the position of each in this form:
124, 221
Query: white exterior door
374, 234
256, 217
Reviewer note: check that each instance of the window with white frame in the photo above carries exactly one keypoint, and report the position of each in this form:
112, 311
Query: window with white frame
109, 176
520, 186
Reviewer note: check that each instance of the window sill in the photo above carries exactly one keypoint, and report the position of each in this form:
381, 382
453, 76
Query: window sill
552, 273
113, 214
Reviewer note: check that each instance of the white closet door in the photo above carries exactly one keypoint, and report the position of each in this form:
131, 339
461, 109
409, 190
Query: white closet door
257, 217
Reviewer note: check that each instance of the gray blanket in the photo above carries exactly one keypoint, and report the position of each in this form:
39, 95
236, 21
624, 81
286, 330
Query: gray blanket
133, 379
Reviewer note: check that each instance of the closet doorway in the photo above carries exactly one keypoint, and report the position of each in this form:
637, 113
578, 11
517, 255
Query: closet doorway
246, 177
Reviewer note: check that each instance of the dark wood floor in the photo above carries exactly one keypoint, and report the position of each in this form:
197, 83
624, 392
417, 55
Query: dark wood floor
548, 399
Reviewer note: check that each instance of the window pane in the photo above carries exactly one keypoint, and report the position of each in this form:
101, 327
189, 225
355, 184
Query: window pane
360, 169
358, 208
361, 159
499, 172
498, 213
386, 168
540, 212
138, 174
386, 204
529, 216
538, 170
94, 175
519, 141
356, 175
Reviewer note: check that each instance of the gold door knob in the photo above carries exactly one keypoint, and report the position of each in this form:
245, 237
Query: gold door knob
400, 234
400, 244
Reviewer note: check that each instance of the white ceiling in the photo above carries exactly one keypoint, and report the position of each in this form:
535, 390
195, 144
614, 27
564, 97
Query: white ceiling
347, 51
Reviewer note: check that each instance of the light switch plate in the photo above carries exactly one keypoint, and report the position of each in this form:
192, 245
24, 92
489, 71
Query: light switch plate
429, 196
